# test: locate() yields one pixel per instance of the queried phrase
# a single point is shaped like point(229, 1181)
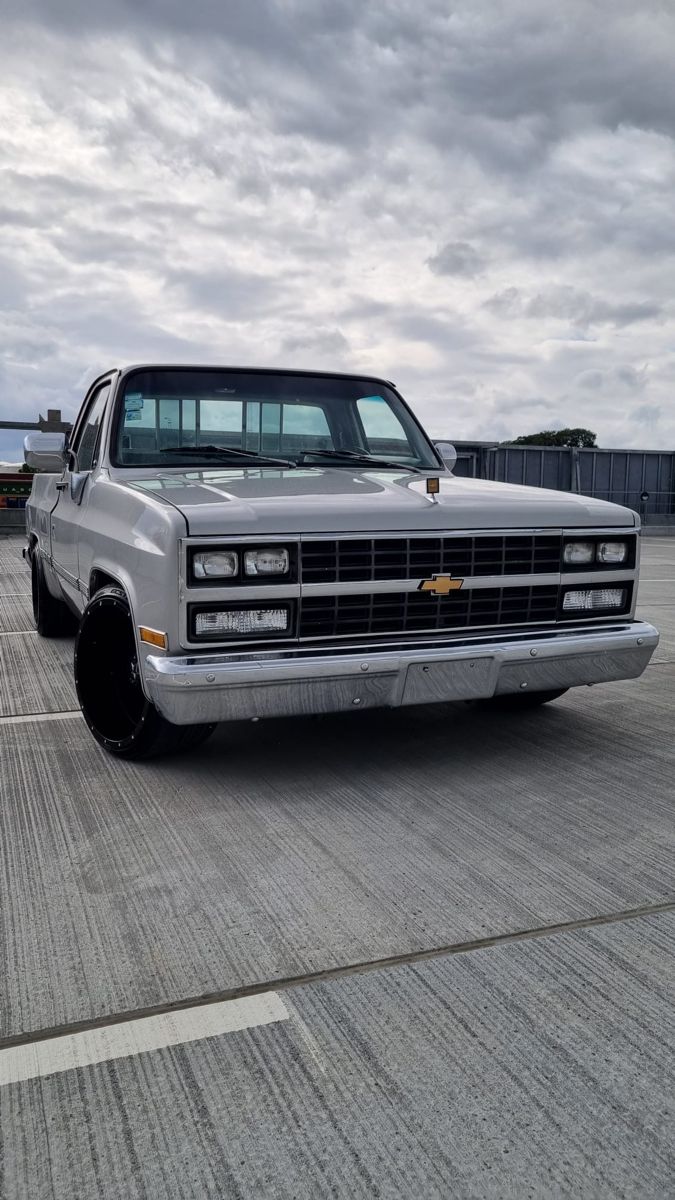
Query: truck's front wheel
point(109, 689)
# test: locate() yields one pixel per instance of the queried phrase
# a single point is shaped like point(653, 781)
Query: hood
point(255, 501)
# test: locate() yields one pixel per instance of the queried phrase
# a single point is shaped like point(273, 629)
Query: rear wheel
point(52, 617)
point(109, 689)
point(521, 701)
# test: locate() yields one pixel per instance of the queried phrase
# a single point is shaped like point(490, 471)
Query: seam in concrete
point(330, 973)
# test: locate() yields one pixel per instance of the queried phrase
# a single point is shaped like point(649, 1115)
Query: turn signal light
point(153, 637)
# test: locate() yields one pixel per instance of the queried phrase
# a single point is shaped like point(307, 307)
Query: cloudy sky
point(474, 199)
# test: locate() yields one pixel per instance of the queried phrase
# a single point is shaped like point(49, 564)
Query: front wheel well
point(100, 579)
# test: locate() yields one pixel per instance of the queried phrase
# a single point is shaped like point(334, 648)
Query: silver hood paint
point(256, 501)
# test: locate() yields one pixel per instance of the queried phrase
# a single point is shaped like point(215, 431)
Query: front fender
point(132, 538)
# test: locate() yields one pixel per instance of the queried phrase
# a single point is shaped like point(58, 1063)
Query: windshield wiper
point(229, 452)
point(356, 456)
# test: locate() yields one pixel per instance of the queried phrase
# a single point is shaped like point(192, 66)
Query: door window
point(87, 437)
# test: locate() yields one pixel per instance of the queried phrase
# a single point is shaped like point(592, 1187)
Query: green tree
point(557, 437)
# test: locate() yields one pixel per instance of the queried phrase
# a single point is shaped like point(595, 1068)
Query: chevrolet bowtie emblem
point(440, 585)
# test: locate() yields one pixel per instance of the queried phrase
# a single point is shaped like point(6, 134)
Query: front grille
point(403, 612)
point(352, 559)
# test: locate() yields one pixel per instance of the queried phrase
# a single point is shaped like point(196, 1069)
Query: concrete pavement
point(286, 849)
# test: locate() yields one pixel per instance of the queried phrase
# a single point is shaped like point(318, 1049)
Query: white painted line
point(17, 632)
point(125, 1040)
point(47, 716)
point(13, 595)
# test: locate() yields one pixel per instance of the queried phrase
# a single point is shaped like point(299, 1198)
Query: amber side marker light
point(153, 637)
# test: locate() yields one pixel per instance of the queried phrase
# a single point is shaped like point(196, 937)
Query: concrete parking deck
point(277, 862)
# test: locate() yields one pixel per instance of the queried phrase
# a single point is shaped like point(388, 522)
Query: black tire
point(107, 679)
point(52, 617)
point(521, 701)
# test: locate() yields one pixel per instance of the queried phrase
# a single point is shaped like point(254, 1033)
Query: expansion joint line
point(297, 981)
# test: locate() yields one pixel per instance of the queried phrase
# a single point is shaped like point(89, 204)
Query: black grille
point(351, 559)
point(401, 612)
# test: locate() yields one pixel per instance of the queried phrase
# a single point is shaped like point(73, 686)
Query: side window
point(87, 436)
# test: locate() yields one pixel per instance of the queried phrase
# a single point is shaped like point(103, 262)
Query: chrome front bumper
point(230, 687)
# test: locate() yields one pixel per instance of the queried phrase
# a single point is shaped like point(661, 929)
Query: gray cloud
point(320, 342)
point(456, 258)
point(570, 304)
point(320, 179)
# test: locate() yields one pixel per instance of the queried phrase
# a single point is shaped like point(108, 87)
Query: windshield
point(166, 415)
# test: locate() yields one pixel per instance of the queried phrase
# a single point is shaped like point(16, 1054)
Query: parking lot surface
point(422, 952)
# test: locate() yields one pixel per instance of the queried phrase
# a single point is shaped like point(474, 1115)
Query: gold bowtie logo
point(440, 585)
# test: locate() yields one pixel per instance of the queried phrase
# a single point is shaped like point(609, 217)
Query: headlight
point(591, 598)
point(612, 552)
point(579, 552)
point(215, 564)
point(231, 621)
point(266, 562)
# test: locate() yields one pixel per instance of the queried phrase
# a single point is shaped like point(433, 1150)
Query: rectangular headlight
point(579, 552)
point(592, 598)
point(215, 564)
point(231, 621)
point(612, 552)
point(271, 561)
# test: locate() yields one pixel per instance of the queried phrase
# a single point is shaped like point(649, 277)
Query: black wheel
point(109, 690)
point(52, 617)
point(520, 701)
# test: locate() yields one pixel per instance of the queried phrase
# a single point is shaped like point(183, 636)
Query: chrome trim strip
point(244, 591)
point(512, 530)
point(359, 587)
point(397, 534)
point(59, 570)
point(240, 539)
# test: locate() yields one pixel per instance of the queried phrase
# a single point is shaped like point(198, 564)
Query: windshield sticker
point(131, 416)
point(133, 402)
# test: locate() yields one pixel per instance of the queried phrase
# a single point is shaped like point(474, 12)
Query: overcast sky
point(473, 199)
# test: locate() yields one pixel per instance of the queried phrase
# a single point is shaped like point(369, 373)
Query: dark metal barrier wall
point(622, 476)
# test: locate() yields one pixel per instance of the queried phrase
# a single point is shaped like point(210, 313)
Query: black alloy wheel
point(107, 678)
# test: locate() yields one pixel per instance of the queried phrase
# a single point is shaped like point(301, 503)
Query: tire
point(107, 679)
point(52, 617)
point(521, 701)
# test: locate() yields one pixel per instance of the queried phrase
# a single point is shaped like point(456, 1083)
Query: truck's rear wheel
point(520, 701)
point(109, 690)
point(52, 617)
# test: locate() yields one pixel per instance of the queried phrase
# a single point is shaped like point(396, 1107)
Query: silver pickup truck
point(234, 543)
